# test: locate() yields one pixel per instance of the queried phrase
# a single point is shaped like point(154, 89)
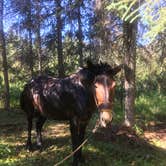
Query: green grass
point(122, 150)
point(150, 108)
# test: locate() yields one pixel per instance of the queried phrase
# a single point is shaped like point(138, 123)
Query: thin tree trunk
point(98, 26)
point(4, 59)
point(39, 52)
point(59, 38)
point(38, 35)
point(129, 30)
point(29, 24)
point(102, 33)
point(30, 52)
point(80, 33)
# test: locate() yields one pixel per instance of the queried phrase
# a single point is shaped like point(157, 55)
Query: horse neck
point(87, 84)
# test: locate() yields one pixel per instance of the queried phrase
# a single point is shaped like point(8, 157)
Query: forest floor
point(113, 146)
point(155, 135)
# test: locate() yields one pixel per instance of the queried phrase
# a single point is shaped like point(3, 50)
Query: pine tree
point(4, 58)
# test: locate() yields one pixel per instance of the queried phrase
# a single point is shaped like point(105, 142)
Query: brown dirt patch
point(156, 134)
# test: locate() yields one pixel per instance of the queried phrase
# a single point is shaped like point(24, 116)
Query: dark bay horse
point(73, 98)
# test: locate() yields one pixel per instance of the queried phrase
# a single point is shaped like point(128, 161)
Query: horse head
point(104, 86)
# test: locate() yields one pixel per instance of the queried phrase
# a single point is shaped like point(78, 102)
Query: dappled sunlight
point(157, 139)
point(156, 134)
point(115, 145)
point(126, 143)
point(151, 113)
point(93, 149)
point(57, 130)
point(56, 143)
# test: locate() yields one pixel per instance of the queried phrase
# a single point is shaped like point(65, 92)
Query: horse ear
point(117, 69)
point(89, 64)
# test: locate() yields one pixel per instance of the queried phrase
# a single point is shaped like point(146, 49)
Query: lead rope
point(71, 154)
point(106, 92)
point(122, 89)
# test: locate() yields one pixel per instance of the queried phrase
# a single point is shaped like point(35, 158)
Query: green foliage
point(15, 91)
point(138, 129)
point(124, 9)
point(155, 18)
point(149, 106)
point(5, 151)
point(152, 13)
point(150, 72)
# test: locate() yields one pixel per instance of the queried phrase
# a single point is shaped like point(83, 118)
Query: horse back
point(59, 99)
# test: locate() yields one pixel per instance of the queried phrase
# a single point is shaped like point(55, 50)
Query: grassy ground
point(106, 147)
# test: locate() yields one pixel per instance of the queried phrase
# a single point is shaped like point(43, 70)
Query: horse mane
point(87, 73)
point(100, 68)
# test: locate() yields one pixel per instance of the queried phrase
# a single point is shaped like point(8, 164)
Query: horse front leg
point(39, 124)
point(82, 129)
point(75, 141)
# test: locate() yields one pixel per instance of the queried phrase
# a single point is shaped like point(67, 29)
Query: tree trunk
point(29, 24)
point(129, 30)
point(102, 21)
point(98, 28)
point(30, 53)
point(38, 35)
point(59, 38)
point(80, 33)
point(4, 59)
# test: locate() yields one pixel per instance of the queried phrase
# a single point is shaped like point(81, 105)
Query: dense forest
point(56, 37)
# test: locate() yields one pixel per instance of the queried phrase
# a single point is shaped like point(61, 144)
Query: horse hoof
point(29, 148)
point(39, 147)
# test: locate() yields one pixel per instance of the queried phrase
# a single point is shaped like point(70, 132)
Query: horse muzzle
point(105, 115)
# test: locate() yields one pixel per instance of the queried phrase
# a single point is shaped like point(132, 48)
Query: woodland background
point(56, 37)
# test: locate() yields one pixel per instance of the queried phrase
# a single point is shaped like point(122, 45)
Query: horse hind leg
point(29, 143)
point(39, 124)
point(82, 129)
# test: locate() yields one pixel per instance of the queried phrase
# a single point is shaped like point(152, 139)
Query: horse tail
point(26, 100)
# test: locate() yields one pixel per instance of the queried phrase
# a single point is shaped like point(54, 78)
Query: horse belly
point(56, 113)
point(56, 110)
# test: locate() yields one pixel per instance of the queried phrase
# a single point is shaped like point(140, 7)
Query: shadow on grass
point(124, 147)
point(114, 146)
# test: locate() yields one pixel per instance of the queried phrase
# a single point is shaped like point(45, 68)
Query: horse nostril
point(107, 122)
